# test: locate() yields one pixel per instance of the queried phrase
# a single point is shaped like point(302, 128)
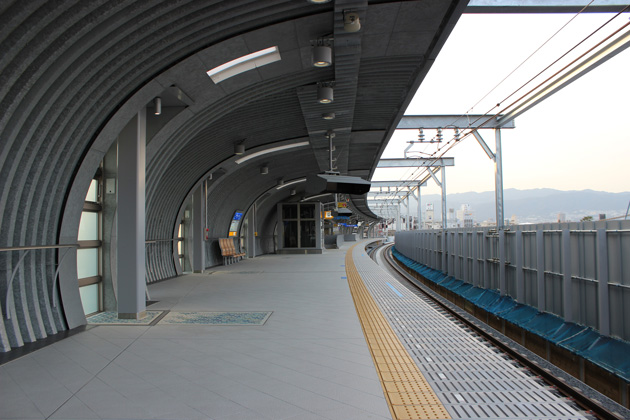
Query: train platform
point(329, 336)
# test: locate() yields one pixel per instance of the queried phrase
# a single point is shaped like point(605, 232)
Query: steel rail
point(590, 405)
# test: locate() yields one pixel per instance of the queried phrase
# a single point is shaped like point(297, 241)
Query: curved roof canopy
point(74, 73)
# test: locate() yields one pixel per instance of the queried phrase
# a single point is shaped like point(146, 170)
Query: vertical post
point(465, 275)
point(435, 250)
point(408, 224)
point(444, 266)
point(417, 246)
point(502, 282)
point(131, 219)
point(419, 200)
point(198, 255)
point(603, 302)
point(485, 251)
point(443, 187)
point(520, 280)
point(251, 232)
point(498, 179)
point(455, 255)
point(540, 269)
point(444, 225)
point(475, 259)
point(398, 221)
point(330, 152)
point(567, 301)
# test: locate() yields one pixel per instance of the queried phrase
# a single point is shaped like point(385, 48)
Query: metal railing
point(25, 251)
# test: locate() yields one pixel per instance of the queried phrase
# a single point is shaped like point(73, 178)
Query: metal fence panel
point(535, 261)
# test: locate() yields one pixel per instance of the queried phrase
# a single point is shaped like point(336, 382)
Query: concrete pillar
point(131, 223)
point(197, 230)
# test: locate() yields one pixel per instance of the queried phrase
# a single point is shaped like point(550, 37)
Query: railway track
point(587, 399)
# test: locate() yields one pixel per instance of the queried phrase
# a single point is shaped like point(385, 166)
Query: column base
point(139, 315)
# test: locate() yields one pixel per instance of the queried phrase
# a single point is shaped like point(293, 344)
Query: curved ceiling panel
point(74, 72)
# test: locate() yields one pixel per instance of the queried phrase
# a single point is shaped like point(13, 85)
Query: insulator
point(439, 135)
point(457, 134)
point(420, 134)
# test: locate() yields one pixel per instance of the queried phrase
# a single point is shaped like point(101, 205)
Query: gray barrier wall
point(579, 271)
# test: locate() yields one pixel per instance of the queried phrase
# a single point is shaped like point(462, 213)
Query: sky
point(576, 139)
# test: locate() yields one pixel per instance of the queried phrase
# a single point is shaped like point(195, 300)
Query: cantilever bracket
point(484, 146)
point(439, 184)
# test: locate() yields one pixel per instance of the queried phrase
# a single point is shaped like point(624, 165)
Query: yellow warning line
point(408, 393)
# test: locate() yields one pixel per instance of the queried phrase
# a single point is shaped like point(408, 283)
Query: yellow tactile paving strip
point(408, 393)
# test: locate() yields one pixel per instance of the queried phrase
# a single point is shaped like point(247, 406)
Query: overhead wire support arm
point(432, 175)
point(484, 145)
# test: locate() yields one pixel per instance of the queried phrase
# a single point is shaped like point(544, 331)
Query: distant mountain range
point(538, 205)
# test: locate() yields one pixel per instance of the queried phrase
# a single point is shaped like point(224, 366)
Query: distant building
point(602, 216)
point(429, 216)
point(562, 217)
point(465, 216)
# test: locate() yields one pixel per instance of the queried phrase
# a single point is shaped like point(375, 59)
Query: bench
point(228, 251)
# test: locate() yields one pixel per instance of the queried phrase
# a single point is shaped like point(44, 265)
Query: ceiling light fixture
point(322, 56)
point(312, 197)
point(158, 106)
point(244, 63)
point(239, 149)
point(286, 184)
point(271, 150)
point(325, 94)
point(351, 22)
point(293, 192)
point(264, 170)
point(328, 115)
point(318, 1)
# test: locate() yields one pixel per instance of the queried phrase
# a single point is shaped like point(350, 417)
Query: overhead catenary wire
point(530, 56)
point(441, 150)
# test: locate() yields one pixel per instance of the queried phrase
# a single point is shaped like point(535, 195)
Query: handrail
point(152, 241)
point(31, 247)
point(26, 250)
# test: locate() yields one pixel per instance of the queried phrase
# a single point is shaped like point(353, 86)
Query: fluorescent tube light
point(295, 181)
point(244, 63)
point(271, 150)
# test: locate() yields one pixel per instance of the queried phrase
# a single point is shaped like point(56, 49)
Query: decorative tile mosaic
point(215, 318)
point(105, 318)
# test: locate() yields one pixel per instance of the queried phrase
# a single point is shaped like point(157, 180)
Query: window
point(89, 252)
